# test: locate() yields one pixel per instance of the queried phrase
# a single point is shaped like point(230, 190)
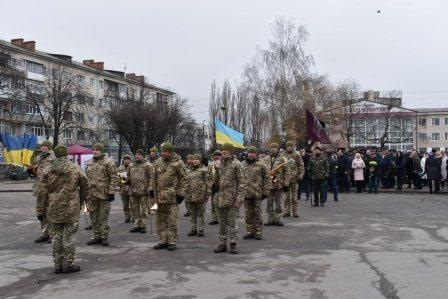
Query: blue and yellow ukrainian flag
point(18, 149)
point(224, 134)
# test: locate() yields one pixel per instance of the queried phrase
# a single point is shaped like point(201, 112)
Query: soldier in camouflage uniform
point(168, 184)
point(103, 178)
point(42, 161)
point(212, 167)
point(63, 189)
point(319, 173)
point(153, 154)
point(139, 177)
point(257, 189)
point(189, 167)
point(198, 191)
point(124, 188)
point(297, 169)
point(278, 184)
point(229, 179)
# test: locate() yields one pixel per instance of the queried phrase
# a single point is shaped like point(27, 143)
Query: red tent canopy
point(79, 150)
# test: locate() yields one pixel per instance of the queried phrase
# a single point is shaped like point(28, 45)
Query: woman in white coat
point(358, 166)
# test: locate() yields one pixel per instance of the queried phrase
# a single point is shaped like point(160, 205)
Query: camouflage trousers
point(126, 199)
point(291, 199)
point(228, 228)
point(99, 210)
point(254, 216)
point(40, 211)
point(167, 219)
point(140, 210)
point(275, 196)
point(197, 214)
point(63, 242)
point(214, 202)
point(188, 206)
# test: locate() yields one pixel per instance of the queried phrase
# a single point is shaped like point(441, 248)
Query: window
point(112, 135)
point(446, 136)
point(91, 119)
point(101, 84)
point(33, 129)
point(4, 128)
point(81, 79)
point(92, 82)
point(80, 135)
point(67, 134)
point(161, 98)
point(31, 109)
point(80, 117)
point(35, 67)
point(446, 121)
point(435, 121)
point(422, 122)
point(435, 136)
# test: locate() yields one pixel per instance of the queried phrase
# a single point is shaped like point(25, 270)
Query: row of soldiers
point(62, 188)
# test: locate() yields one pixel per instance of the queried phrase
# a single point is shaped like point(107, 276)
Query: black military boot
point(134, 229)
point(127, 220)
point(42, 239)
point(200, 233)
point(161, 246)
point(232, 249)
point(258, 237)
point(171, 247)
point(71, 269)
point(221, 248)
point(143, 230)
point(249, 236)
point(104, 242)
point(279, 223)
point(213, 222)
point(192, 233)
point(57, 269)
point(94, 241)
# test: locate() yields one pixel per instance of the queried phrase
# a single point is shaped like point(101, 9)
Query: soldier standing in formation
point(124, 188)
point(213, 167)
point(257, 189)
point(198, 191)
point(63, 189)
point(229, 179)
point(189, 167)
point(297, 169)
point(43, 160)
point(279, 183)
point(103, 178)
point(153, 152)
point(139, 176)
point(319, 173)
point(169, 183)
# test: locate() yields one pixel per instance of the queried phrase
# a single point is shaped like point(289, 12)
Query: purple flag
point(315, 128)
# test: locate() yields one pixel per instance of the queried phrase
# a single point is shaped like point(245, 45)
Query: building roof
point(432, 110)
point(62, 58)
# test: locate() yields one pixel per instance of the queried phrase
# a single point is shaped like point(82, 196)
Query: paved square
point(364, 246)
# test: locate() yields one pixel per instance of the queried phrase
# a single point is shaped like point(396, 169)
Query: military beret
point(227, 147)
point(216, 153)
point(252, 149)
point(197, 157)
point(154, 150)
point(99, 147)
point(167, 147)
point(290, 143)
point(60, 151)
point(140, 151)
point(126, 157)
point(48, 144)
point(274, 144)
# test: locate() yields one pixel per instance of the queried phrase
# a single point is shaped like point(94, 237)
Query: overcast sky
point(185, 44)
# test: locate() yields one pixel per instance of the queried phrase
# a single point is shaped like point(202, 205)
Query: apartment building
point(432, 130)
point(102, 87)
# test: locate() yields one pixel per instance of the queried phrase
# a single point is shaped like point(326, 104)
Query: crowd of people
point(160, 180)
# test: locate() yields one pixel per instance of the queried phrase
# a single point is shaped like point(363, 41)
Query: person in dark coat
point(399, 170)
point(305, 184)
point(433, 169)
point(344, 166)
point(408, 168)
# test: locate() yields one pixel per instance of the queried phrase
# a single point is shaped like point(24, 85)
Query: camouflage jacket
point(169, 179)
point(284, 176)
point(103, 177)
point(319, 167)
point(42, 161)
point(296, 166)
point(124, 189)
point(139, 177)
point(64, 186)
point(256, 178)
point(198, 188)
point(230, 179)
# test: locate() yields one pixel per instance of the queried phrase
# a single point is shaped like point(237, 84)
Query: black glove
point(151, 193)
point(111, 197)
point(179, 199)
point(285, 189)
point(215, 189)
point(40, 217)
point(263, 197)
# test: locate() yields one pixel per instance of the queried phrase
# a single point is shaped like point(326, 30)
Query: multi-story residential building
point(432, 130)
point(102, 87)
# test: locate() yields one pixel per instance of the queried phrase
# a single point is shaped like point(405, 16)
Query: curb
point(15, 191)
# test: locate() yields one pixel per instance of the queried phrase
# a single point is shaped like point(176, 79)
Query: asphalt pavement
point(364, 246)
